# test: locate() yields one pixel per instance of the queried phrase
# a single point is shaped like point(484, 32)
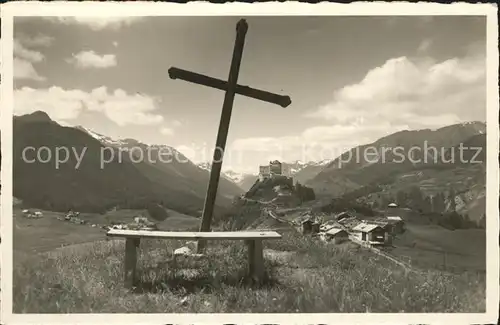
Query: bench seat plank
point(216, 235)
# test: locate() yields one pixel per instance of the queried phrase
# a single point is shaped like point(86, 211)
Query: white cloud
point(314, 143)
point(90, 59)
point(97, 23)
point(166, 131)
point(414, 92)
point(34, 41)
point(22, 52)
point(401, 94)
point(24, 58)
point(60, 104)
point(65, 105)
point(24, 70)
point(170, 130)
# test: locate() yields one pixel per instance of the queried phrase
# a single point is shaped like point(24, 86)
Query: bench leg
point(201, 246)
point(255, 260)
point(131, 245)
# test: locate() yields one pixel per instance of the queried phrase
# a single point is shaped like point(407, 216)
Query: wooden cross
point(231, 88)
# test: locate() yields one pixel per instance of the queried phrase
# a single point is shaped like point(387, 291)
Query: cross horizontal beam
point(200, 79)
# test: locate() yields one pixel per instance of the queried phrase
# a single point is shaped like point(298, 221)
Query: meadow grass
point(303, 275)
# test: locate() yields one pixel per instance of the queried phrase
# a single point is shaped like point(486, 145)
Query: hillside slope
point(90, 186)
point(352, 170)
point(172, 163)
point(460, 185)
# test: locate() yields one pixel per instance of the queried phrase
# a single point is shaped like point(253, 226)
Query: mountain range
point(177, 164)
point(432, 173)
point(353, 169)
point(126, 182)
point(180, 184)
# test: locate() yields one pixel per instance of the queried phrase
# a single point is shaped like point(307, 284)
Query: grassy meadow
point(303, 275)
point(434, 247)
point(49, 233)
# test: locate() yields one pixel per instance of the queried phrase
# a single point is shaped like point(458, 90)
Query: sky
point(351, 79)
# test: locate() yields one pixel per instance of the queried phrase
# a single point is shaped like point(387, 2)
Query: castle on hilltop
point(275, 168)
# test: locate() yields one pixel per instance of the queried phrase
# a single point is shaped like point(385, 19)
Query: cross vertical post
point(220, 143)
point(232, 88)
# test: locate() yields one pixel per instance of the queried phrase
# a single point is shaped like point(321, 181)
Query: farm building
point(336, 235)
point(343, 215)
point(349, 223)
point(32, 215)
point(370, 233)
point(315, 227)
point(397, 224)
point(329, 225)
point(388, 229)
point(310, 227)
point(307, 226)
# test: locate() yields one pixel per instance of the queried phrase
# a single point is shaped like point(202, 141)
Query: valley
point(439, 205)
point(33, 236)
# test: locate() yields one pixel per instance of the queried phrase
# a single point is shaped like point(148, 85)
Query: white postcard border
point(95, 9)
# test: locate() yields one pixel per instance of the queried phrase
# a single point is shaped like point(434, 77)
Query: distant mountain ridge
point(178, 160)
point(379, 181)
point(304, 171)
point(351, 170)
point(175, 162)
point(230, 175)
point(179, 186)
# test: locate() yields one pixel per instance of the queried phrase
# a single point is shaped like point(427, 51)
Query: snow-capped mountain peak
point(235, 177)
point(105, 140)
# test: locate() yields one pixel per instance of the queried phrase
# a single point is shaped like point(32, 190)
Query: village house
point(349, 223)
point(369, 233)
point(343, 215)
point(386, 226)
point(316, 227)
point(307, 226)
point(328, 225)
point(397, 224)
point(336, 235)
point(310, 226)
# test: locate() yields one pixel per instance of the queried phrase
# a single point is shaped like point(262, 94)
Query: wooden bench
point(253, 240)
